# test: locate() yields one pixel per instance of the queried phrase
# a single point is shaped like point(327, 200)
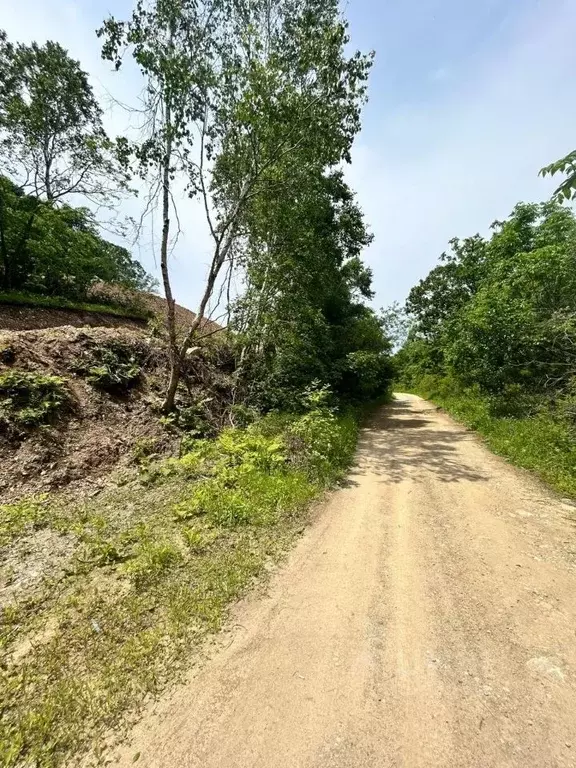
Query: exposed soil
point(98, 431)
point(14, 318)
point(427, 619)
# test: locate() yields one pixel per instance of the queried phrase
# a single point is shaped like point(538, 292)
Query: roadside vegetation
point(492, 338)
point(146, 569)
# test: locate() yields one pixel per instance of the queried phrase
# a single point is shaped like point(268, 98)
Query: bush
point(513, 402)
point(322, 443)
point(29, 399)
point(366, 375)
point(195, 419)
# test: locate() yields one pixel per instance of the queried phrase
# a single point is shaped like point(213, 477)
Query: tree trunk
point(174, 354)
point(19, 250)
point(47, 169)
point(6, 277)
point(220, 254)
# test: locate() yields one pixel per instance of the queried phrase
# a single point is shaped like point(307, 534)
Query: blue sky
point(467, 101)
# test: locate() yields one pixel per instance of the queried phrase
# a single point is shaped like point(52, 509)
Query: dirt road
point(426, 619)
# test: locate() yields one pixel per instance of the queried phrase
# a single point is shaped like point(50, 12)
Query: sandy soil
point(426, 619)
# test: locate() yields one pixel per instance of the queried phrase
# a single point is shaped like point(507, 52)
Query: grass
point(542, 443)
point(59, 302)
point(157, 560)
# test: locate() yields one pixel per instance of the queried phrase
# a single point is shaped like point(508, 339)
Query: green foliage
point(501, 312)
point(366, 375)
point(272, 97)
point(302, 317)
point(15, 518)
point(57, 251)
point(566, 165)
point(246, 497)
point(151, 559)
point(113, 367)
point(51, 133)
point(322, 443)
point(28, 399)
point(144, 448)
point(269, 469)
point(493, 339)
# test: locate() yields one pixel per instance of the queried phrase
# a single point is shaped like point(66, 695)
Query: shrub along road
point(426, 619)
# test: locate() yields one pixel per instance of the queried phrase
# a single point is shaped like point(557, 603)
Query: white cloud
point(436, 171)
point(439, 75)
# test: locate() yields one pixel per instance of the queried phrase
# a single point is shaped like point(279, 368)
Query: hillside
point(105, 305)
point(112, 384)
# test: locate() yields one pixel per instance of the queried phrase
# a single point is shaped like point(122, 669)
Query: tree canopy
point(499, 313)
point(52, 139)
point(58, 250)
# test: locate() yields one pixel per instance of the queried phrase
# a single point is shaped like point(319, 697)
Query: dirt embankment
point(13, 318)
point(98, 430)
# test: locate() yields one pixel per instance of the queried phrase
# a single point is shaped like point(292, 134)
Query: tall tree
point(172, 42)
point(52, 140)
point(260, 85)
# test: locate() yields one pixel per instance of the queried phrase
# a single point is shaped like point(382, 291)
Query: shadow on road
point(401, 442)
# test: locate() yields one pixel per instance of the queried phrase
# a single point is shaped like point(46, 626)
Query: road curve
point(427, 619)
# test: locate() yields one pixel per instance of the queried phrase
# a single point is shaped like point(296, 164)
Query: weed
point(113, 367)
point(194, 419)
point(15, 518)
point(253, 498)
point(151, 559)
point(28, 399)
point(198, 540)
point(144, 449)
point(323, 443)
